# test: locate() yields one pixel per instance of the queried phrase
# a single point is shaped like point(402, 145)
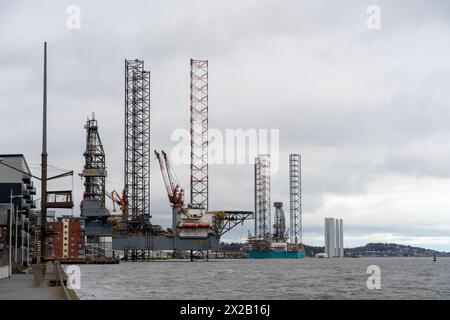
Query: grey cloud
point(357, 104)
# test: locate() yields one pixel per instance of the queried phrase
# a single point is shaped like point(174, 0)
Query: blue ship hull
point(275, 254)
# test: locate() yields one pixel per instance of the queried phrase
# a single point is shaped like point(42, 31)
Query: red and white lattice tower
point(199, 133)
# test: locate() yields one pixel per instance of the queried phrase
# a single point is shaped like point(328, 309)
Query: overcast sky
point(367, 109)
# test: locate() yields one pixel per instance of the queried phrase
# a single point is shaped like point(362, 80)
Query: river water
point(310, 278)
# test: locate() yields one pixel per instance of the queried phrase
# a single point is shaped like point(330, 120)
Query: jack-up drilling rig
point(265, 245)
point(194, 227)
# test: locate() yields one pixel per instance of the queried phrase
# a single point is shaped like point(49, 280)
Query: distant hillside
point(369, 250)
point(393, 250)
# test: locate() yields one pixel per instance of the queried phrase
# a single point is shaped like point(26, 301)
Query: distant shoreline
point(369, 250)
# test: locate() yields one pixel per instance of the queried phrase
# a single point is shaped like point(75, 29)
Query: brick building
point(66, 238)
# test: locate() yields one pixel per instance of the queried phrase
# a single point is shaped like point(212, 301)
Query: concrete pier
point(47, 282)
point(23, 287)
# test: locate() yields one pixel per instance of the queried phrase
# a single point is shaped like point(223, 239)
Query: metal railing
point(61, 277)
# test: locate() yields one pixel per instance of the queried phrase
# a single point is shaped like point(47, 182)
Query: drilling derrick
point(94, 173)
point(137, 142)
point(262, 197)
point(295, 186)
point(93, 204)
point(279, 226)
point(199, 134)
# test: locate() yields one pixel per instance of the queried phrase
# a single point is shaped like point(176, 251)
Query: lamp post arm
point(66, 174)
point(62, 175)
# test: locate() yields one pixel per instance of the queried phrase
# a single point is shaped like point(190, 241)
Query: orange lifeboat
point(195, 225)
point(189, 225)
point(203, 224)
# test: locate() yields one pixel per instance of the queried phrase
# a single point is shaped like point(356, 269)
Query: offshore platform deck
point(188, 238)
point(151, 242)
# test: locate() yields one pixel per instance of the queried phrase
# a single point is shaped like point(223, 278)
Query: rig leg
point(192, 255)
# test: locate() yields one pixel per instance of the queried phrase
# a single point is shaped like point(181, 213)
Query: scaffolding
point(199, 133)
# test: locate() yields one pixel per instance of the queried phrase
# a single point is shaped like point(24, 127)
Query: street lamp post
point(16, 224)
point(21, 239)
point(28, 241)
point(44, 156)
point(10, 235)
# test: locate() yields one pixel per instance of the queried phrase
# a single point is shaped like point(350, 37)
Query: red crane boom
point(174, 191)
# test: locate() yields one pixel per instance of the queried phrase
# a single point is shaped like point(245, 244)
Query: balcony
point(31, 189)
point(26, 180)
